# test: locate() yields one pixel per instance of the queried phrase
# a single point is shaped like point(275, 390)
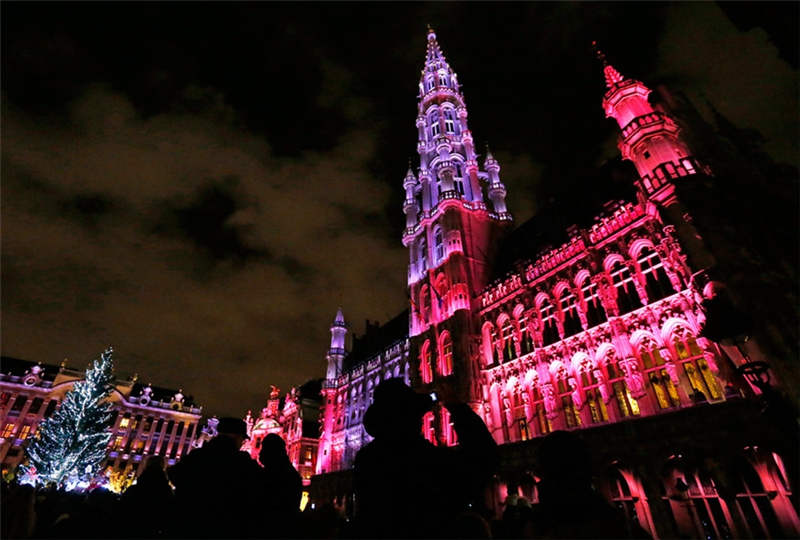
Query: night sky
point(200, 185)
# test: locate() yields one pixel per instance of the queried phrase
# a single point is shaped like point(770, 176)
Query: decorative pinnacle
point(612, 75)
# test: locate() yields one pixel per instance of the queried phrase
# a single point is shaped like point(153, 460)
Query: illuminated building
point(297, 422)
point(148, 420)
point(632, 330)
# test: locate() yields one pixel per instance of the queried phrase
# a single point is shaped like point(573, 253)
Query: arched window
point(449, 121)
point(428, 430)
point(695, 492)
point(433, 120)
point(523, 432)
point(539, 413)
point(526, 341)
point(458, 178)
point(657, 283)
point(442, 78)
point(627, 297)
point(438, 245)
point(425, 368)
point(425, 305)
point(616, 380)
point(572, 322)
point(550, 329)
point(449, 430)
point(690, 357)
point(594, 398)
point(506, 334)
point(570, 412)
point(663, 390)
point(445, 355)
point(620, 494)
point(423, 255)
point(757, 505)
point(429, 83)
point(595, 314)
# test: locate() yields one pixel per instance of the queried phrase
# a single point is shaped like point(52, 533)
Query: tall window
point(595, 314)
point(539, 412)
point(423, 255)
point(572, 322)
point(506, 333)
point(526, 342)
point(520, 420)
point(449, 430)
point(442, 79)
point(449, 121)
point(428, 430)
point(620, 494)
point(426, 370)
point(627, 297)
point(550, 329)
point(622, 394)
point(694, 364)
point(657, 283)
point(438, 245)
point(756, 504)
point(429, 83)
point(571, 415)
point(434, 121)
point(458, 178)
point(706, 506)
point(660, 383)
point(594, 398)
point(446, 355)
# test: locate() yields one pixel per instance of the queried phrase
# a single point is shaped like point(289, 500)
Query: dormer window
point(449, 121)
point(429, 83)
point(442, 79)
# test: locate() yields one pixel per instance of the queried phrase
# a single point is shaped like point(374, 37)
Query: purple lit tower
point(455, 216)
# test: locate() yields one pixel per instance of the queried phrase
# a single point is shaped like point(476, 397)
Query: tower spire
point(336, 353)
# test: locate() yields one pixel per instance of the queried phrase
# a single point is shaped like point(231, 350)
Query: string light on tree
point(72, 443)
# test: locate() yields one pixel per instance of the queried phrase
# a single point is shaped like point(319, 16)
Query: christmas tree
point(73, 441)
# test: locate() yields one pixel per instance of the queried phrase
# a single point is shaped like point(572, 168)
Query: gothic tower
point(335, 358)
point(452, 231)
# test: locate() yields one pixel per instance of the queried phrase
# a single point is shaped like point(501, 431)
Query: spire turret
point(337, 353)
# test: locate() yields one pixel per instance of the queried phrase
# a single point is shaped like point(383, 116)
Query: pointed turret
point(649, 137)
point(411, 206)
point(336, 353)
point(497, 191)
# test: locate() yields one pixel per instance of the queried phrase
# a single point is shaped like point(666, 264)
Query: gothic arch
point(558, 290)
point(581, 276)
point(669, 328)
point(611, 259)
point(578, 359)
point(638, 245)
point(518, 310)
point(542, 297)
point(487, 344)
point(638, 335)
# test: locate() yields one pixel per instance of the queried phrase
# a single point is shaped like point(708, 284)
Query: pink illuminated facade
point(603, 334)
point(297, 422)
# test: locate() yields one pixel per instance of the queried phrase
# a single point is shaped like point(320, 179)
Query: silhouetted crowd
point(404, 487)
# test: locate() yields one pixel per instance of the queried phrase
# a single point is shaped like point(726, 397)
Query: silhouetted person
point(568, 506)
point(405, 487)
point(18, 512)
point(148, 503)
point(216, 486)
point(281, 490)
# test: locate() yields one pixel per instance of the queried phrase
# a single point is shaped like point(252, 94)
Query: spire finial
point(600, 55)
point(430, 30)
